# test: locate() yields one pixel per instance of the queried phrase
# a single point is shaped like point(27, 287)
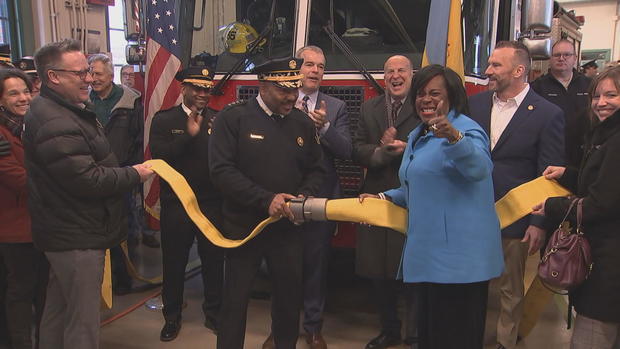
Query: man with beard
point(264, 152)
point(565, 87)
point(384, 124)
point(180, 136)
point(527, 135)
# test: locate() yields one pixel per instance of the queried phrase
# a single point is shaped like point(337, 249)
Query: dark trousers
point(316, 238)
point(282, 249)
point(26, 277)
point(177, 237)
point(386, 295)
point(452, 316)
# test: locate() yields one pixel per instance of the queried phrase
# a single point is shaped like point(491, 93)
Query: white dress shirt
point(502, 112)
point(312, 99)
point(188, 111)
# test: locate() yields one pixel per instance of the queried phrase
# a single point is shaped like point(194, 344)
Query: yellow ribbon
point(515, 205)
point(106, 284)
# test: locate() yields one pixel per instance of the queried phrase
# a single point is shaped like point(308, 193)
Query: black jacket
point(253, 157)
point(188, 155)
point(597, 182)
point(76, 189)
point(574, 102)
point(125, 129)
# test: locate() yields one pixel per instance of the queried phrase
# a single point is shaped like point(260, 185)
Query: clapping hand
point(193, 122)
point(441, 127)
point(319, 116)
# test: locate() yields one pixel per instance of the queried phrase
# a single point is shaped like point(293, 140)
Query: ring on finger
point(434, 127)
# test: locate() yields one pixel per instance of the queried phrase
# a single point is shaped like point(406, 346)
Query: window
point(374, 30)
point(252, 17)
point(116, 35)
point(4, 23)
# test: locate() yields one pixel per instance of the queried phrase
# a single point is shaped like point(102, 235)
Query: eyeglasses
point(563, 54)
point(80, 73)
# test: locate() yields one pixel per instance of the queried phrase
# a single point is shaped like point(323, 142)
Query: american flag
point(162, 91)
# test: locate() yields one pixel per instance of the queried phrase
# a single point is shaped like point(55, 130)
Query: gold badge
point(205, 72)
point(300, 141)
point(255, 136)
point(23, 65)
point(292, 64)
point(209, 131)
point(530, 107)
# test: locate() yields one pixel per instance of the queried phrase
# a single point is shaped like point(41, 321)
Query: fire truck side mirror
point(537, 16)
point(540, 48)
point(135, 51)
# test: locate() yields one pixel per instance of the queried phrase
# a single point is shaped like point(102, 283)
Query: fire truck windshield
point(373, 30)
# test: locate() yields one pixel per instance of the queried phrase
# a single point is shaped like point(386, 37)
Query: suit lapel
point(405, 113)
point(485, 120)
point(521, 115)
point(380, 114)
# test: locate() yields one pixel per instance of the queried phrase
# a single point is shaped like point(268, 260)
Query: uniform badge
point(205, 72)
point(177, 132)
point(530, 107)
point(292, 64)
point(300, 141)
point(255, 136)
point(209, 131)
point(23, 65)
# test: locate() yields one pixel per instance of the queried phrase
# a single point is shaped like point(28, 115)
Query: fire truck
point(357, 37)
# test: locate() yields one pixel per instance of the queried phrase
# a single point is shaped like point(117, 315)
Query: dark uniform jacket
point(574, 102)
point(253, 157)
point(76, 189)
point(379, 249)
point(597, 182)
point(188, 155)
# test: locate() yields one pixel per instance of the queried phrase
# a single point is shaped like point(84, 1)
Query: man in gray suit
point(385, 122)
point(332, 124)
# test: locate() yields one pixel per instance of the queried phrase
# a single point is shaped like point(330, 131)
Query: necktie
point(395, 107)
point(304, 103)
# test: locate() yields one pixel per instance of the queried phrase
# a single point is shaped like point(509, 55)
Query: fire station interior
point(357, 37)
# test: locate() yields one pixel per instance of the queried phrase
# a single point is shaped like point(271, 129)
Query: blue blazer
point(336, 143)
point(533, 140)
point(453, 233)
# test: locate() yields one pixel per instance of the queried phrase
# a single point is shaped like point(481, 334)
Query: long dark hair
point(457, 97)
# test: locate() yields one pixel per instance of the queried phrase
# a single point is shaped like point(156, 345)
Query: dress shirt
point(188, 111)
point(265, 108)
point(502, 112)
point(312, 99)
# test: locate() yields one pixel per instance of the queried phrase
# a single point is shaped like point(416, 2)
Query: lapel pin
point(530, 107)
point(300, 141)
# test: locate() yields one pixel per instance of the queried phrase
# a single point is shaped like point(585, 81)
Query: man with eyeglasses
point(565, 87)
point(76, 192)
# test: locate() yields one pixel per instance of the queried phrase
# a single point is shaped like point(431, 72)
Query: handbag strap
point(579, 215)
point(572, 203)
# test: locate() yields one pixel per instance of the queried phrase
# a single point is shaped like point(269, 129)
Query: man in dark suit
point(527, 135)
point(332, 125)
point(385, 122)
point(180, 136)
point(264, 152)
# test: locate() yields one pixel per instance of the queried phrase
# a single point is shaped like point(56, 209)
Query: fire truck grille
point(349, 173)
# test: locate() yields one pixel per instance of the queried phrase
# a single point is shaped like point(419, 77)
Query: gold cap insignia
point(300, 141)
point(530, 107)
point(292, 64)
point(22, 65)
point(205, 72)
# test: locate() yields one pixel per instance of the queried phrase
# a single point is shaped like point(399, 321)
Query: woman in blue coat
point(453, 245)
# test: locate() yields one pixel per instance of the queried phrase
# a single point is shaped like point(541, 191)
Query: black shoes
point(211, 324)
point(383, 341)
point(171, 330)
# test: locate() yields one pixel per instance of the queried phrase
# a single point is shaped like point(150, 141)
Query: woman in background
point(25, 265)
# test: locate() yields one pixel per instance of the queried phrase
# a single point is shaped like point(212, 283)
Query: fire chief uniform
point(253, 155)
point(189, 156)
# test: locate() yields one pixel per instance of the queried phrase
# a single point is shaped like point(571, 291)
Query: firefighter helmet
point(238, 37)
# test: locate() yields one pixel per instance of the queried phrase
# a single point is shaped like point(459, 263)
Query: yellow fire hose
point(516, 204)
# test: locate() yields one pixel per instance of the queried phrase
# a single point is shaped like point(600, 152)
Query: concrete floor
point(350, 321)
